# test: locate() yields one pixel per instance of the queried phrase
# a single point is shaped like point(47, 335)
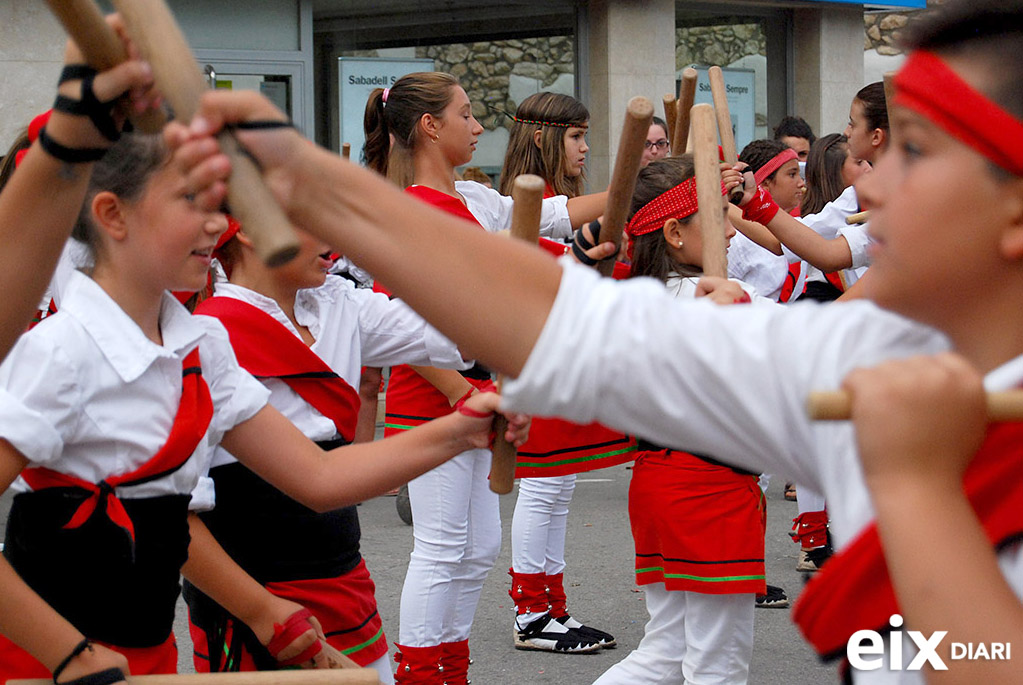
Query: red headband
point(34, 128)
point(927, 85)
point(774, 164)
point(676, 202)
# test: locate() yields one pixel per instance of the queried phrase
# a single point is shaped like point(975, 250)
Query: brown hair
point(7, 166)
point(411, 96)
point(824, 172)
point(650, 256)
point(551, 114)
point(124, 171)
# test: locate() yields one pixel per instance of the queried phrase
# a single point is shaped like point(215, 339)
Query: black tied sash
point(647, 446)
point(88, 574)
point(275, 538)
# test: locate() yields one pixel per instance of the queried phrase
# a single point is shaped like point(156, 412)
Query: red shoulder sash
point(266, 349)
point(854, 591)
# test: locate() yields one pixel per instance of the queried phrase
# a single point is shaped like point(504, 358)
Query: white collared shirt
point(494, 210)
point(88, 394)
point(731, 382)
point(352, 327)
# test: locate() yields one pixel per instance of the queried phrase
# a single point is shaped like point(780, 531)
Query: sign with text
point(741, 88)
point(357, 77)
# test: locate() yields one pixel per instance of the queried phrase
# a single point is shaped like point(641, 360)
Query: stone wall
point(721, 45)
point(882, 30)
point(497, 75)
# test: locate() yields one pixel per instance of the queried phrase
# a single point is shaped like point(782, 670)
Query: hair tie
point(34, 128)
point(383, 96)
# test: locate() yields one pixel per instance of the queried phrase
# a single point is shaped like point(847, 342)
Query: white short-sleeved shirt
point(494, 210)
point(727, 381)
point(90, 395)
point(352, 326)
point(750, 263)
point(830, 223)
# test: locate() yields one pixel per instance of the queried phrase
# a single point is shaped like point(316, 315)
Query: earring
point(435, 138)
point(680, 243)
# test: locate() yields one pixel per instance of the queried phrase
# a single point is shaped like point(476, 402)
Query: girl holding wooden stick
point(754, 367)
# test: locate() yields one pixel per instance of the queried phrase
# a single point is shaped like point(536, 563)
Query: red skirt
point(697, 526)
point(16, 663)
point(345, 607)
point(559, 448)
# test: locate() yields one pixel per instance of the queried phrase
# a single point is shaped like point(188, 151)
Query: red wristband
point(761, 208)
point(469, 411)
point(284, 635)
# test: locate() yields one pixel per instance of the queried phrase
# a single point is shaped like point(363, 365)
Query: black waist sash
point(647, 446)
point(275, 538)
point(90, 574)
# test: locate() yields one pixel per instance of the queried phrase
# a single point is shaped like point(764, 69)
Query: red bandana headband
point(677, 202)
point(33, 134)
point(774, 164)
point(927, 85)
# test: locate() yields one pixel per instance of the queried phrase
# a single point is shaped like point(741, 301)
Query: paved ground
point(599, 581)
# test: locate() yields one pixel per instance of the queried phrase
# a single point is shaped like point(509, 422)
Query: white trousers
point(539, 524)
point(457, 532)
point(691, 637)
point(383, 668)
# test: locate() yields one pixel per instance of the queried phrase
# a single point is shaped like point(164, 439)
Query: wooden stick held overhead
point(346, 150)
point(348, 676)
point(836, 405)
point(84, 22)
point(670, 115)
point(178, 77)
point(708, 191)
point(720, 95)
point(686, 96)
point(638, 115)
point(527, 193)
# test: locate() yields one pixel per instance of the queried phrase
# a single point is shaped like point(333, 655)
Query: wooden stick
point(670, 115)
point(346, 150)
point(708, 191)
point(178, 77)
point(858, 217)
point(836, 405)
point(102, 50)
point(346, 676)
point(686, 95)
point(889, 91)
point(638, 115)
point(720, 95)
point(527, 193)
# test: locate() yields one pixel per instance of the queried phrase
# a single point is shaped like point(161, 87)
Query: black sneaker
point(775, 598)
point(607, 640)
point(545, 634)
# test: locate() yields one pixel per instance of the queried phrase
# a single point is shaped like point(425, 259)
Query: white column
point(828, 48)
point(631, 52)
point(31, 55)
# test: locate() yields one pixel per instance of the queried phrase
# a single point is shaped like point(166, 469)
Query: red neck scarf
point(190, 423)
point(266, 349)
point(451, 205)
point(854, 591)
point(927, 85)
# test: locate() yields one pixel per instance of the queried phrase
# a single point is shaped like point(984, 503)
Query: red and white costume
point(93, 399)
point(749, 367)
point(456, 520)
point(312, 559)
point(698, 527)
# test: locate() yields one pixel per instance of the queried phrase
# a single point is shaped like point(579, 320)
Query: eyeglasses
point(661, 144)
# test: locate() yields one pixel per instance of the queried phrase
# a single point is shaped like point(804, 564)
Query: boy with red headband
point(948, 265)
